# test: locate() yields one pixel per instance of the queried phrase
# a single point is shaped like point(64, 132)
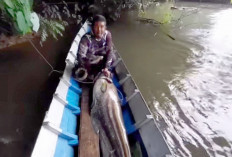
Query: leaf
point(59, 26)
point(50, 27)
point(35, 21)
point(18, 5)
point(11, 12)
point(9, 3)
point(21, 23)
point(27, 15)
point(31, 3)
point(21, 1)
point(44, 36)
point(28, 4)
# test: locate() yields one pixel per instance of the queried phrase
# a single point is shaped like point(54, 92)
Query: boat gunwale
point(71, 61)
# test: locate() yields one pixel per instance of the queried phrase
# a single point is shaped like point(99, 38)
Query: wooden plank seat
point(88, 139)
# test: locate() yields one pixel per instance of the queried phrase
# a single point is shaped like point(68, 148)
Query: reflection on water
point(187, 82)
point(204, 98)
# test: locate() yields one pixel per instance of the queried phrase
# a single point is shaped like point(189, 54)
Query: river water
point(186, 79)
point(26, 91)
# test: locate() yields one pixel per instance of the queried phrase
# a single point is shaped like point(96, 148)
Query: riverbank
point(8, 41)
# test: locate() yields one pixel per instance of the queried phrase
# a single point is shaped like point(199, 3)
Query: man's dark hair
point(98, 18)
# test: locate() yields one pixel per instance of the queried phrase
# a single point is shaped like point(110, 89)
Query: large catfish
point(107, 119)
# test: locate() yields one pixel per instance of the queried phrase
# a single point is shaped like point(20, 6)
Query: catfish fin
point(112, 153)
point(104, 87)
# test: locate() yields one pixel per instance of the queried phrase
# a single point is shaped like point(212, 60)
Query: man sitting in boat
point(95, 53)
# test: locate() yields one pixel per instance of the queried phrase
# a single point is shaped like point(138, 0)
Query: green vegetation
point(51, 27)
point(19, 12)
point(54, 19)
point(159, 12)
point(19, 16)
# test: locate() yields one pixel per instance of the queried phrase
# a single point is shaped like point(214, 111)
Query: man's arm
point(109, 51)
point(82, 51)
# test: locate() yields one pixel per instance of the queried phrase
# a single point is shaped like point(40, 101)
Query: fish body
point(107, 120)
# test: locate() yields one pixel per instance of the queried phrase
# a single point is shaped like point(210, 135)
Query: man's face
point(99, 29)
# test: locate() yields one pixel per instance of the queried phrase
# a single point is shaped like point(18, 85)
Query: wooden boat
point(58, 134)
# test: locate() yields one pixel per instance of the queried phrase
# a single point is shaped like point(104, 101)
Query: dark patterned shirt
point(91, 49)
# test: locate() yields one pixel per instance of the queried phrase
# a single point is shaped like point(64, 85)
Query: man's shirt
point(90, 49)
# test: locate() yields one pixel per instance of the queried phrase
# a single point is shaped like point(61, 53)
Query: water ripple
point(198, 116)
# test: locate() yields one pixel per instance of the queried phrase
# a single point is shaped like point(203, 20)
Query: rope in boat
point(61, 72)
point(92, 82)
point(53, 70)
point(121, 99)
point(84, 82)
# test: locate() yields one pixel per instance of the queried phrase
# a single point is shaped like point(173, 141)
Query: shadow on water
point(26, 91)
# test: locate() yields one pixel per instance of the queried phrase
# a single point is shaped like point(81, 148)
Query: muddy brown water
point(187, 82)
point(26, 91)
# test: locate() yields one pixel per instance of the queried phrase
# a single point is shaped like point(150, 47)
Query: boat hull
point(57, 136)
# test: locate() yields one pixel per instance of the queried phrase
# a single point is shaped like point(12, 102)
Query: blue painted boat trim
point(68, 138)
point(75, 86)
point(63, 149)
point(132, 131)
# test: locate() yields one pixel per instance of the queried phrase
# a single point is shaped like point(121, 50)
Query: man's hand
point(106, 72)
point(95, 59)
